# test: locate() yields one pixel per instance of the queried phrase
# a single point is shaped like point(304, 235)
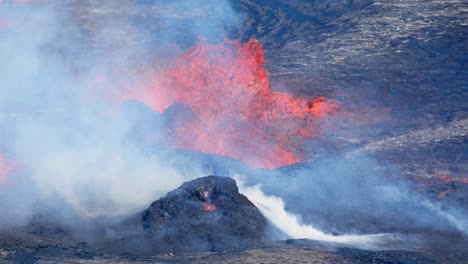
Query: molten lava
point(441, 195)
point(234, 110)
point(449, 179)
point(445, 182)
point(446, 178)
point(208, 207)
point(210, 201)
point(5, 169)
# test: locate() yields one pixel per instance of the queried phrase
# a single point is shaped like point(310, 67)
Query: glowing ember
point(235, 112)
point(441, 195)
point(4, 170)
point(208, 207)
point(445, 178)
point(448, 183)
point(449, 179)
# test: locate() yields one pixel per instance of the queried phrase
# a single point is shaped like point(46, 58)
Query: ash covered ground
point(393, 166)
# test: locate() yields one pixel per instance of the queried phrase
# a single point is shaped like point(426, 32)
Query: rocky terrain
point(404, 62)
point(283, 252)
point(400, 64)
point(409, 57)
point(204, 221)
point(206, 214)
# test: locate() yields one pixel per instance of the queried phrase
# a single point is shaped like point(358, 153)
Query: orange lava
point(236, 113)
point(449, 179)
point(445, 181)
point(445, 178)
point(208, 207)
point(441, 195)
point(5, 169)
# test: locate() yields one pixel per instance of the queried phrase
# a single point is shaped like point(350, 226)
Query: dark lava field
point(398, 69)
point(409, 56)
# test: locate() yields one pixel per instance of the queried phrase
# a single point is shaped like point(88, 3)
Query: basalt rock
point(205, 214)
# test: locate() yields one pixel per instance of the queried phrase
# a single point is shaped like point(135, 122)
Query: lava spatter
point(236, 112)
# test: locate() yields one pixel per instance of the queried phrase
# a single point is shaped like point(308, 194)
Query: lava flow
point(233, 110)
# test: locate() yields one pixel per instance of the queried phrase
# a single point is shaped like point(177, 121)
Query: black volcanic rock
point(205, 214)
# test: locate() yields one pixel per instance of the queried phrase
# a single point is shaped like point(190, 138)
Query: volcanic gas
point(5, 169)
point(234, 111)
point(5, 24)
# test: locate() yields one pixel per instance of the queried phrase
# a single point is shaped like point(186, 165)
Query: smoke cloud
point(273, 208)
point(347, 195)
point(72, 145)
point(69, 146)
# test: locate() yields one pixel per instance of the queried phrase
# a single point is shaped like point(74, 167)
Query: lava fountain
point(234, 111)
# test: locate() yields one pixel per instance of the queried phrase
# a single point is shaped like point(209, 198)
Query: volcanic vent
point(205, 214)
point(230, 108)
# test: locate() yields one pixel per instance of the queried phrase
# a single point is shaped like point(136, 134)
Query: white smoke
point(72, 145)
point(452, 216)
point(72, 149)
point(273, 208)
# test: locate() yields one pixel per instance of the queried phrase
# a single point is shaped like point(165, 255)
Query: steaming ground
point(273, 208)
point(73, 155)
